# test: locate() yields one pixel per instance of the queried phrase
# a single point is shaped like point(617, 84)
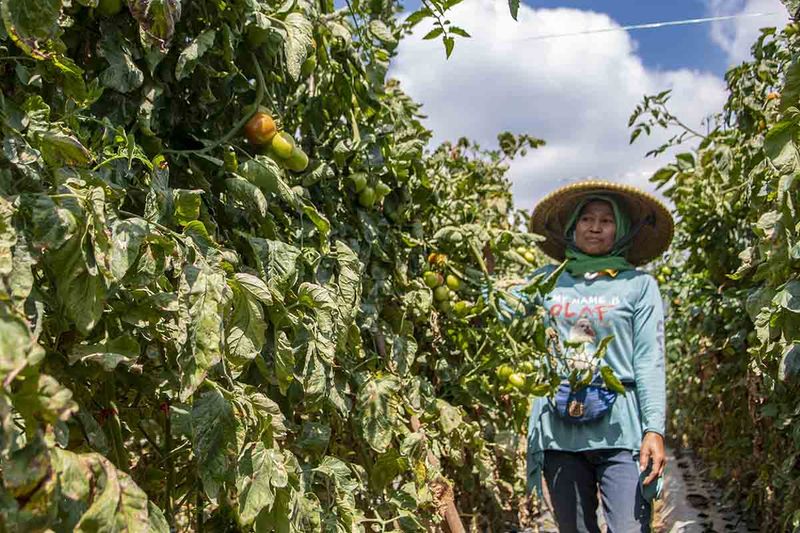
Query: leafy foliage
point(733, 287)
point(193, 336)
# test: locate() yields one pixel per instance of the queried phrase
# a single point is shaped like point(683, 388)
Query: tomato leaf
point(192, 54)
point(109, 353)
point(513, 7)
point(611, 381)
point(157, 19)
point(433, 34)
point(249, 196)
point(214, 428)
point(187, 205)
point(245, 326)
point(260, 471)
point(381, 31)
point(790, 362)
point(127, 237)
point(298, 40)
point(81, 293)
point(203, 294)
point(32, 24)
point(122, 74)
point(374, 404)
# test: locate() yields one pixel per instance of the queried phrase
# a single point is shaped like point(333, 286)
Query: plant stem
point(260, 84)
point(168, 509)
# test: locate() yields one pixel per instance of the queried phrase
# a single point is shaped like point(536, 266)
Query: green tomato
point(526, 366)
point(441, 294)
point(282, 145)
point(521, 250)
point(308, 66)
point(443, 306)
point(661, 279)
point(503, 371)
point(231, 162)
point(298, 161)
point(381, 189)
point(359, 181)
point(517, 380)
point(366, 198)
point(529, 257)
point(461, 308)
point(453, 282)
point(667, 271)
point(432, 279)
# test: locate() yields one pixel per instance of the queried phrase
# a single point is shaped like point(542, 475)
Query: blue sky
point(664, 48)
point(575, 92)
point(690, 46)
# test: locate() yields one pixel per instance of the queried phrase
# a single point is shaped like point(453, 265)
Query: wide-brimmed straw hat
point(651, 217)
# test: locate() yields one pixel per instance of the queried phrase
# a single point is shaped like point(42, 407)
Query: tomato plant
point(193, 338)
point(732, 281)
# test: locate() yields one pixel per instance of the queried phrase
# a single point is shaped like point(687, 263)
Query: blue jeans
point(573, 478)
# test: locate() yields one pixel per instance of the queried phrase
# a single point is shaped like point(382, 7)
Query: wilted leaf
point(779, 144)
point(193, 53)
point(259, 472)
point(157, 18)
point(32, 24)
point(126, 239)
point(376, 411)
point(789, 297)
point(108, 497)
point(248, 195)
point(45, 399)
point(17, 348)
point(122, 74)
point(202, 302)
point(790, 362)
point(81, 293)
point(245, 327)
point(109, 354)
point(214, 440)
point(381, 31)
point(63, 149)
point(284, 361)
point(299, 38)
point(449, 417)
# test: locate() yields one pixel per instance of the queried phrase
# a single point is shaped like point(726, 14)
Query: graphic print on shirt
point(581, 318)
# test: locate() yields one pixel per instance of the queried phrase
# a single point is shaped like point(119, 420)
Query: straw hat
point(552, 214)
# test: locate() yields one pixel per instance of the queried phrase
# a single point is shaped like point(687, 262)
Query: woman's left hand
point(652, 450)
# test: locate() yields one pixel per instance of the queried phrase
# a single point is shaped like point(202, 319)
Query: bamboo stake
point(440, 486)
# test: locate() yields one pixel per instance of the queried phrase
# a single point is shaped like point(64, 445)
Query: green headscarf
point(579, 263)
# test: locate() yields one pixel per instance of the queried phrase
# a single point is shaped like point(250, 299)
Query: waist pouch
point(587, 404)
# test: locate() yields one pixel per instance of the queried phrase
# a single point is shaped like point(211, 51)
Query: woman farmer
point(594, 438)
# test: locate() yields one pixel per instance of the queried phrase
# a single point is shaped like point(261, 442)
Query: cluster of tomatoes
point(445, 287)
point(663, 274)
point(261, 131)
point(368, 193)
point(526, 253)
point(510, 378)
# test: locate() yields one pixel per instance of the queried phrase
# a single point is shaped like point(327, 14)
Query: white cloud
point(737, 35)
point(575, 92)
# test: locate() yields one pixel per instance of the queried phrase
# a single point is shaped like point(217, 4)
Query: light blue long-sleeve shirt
point(630, 308)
